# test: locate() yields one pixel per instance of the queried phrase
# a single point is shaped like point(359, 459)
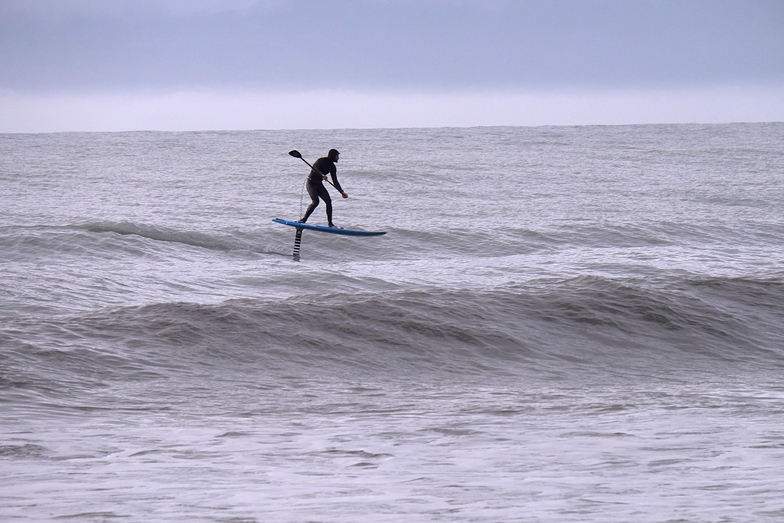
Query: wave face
point(560, 331)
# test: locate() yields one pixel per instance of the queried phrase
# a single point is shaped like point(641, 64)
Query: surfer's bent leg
point(316, 191)
point(314, 197)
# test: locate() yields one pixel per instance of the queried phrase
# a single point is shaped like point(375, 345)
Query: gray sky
point(245, 64)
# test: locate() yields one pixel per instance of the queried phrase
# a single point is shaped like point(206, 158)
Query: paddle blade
point(295, 154)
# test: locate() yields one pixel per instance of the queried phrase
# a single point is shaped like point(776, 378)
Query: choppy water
point(562, 324)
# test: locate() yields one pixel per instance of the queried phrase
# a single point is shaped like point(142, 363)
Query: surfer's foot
point(332, 225)
point(301, 220)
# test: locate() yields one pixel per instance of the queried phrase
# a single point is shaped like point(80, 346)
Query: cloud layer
point(422, 57)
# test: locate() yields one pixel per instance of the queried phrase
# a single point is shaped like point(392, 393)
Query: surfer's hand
point(324, 176)
point(344, 195)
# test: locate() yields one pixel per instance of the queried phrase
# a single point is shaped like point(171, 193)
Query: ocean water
point(561, 324)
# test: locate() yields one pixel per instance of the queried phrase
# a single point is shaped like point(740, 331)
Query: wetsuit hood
point(333, 154)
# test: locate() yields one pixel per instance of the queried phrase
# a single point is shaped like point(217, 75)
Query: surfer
point(315, 184)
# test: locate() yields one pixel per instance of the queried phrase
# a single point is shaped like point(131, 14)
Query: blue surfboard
point(333, 230)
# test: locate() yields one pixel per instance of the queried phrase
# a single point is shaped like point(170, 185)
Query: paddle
point(295, 153)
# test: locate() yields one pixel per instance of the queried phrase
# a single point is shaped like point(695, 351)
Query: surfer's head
point(333, 155)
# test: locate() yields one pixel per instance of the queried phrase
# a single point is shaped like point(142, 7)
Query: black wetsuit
point(316, 187)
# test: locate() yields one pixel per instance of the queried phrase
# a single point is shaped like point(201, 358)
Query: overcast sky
point(267, 64)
